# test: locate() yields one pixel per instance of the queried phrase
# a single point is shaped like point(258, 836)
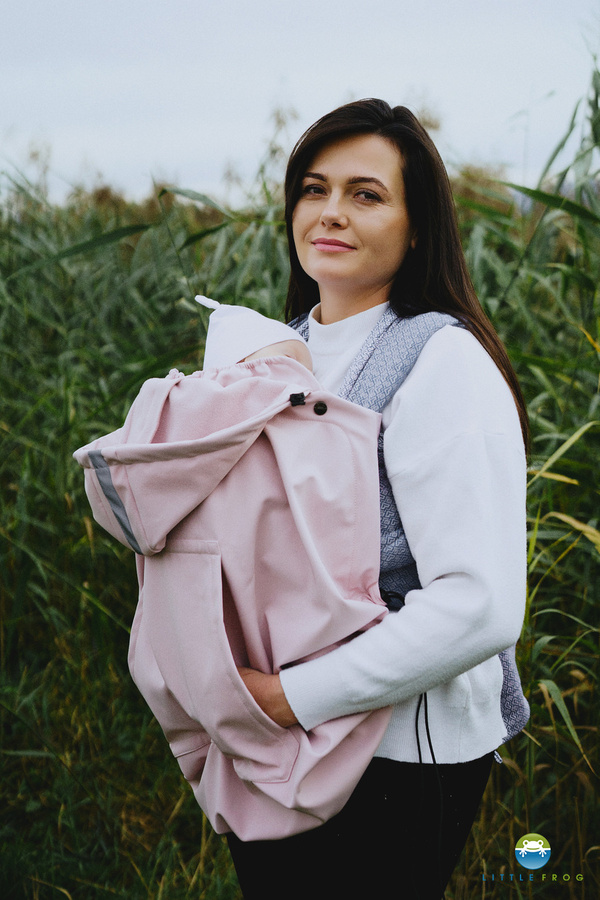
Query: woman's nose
point(333, 214)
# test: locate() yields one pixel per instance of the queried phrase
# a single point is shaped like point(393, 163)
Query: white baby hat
point(234, 332)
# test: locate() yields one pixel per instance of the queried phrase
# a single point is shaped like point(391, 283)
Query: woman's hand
point(268, 693)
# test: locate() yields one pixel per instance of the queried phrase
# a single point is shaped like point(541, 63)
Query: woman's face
point(351, 227)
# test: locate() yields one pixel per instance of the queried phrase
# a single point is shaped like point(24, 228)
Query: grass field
point(95, 297)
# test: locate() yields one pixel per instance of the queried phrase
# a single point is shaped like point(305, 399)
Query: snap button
point(320, 408)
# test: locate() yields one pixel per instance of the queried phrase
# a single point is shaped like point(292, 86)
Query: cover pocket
point(191, 762)
point(194, 655)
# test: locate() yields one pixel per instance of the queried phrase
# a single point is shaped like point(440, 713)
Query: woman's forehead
point(365, 159)
point(358, 156)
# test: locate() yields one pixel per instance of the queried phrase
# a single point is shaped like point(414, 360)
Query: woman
point(375, 259)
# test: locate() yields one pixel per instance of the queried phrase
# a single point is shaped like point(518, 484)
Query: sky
point(130, 93)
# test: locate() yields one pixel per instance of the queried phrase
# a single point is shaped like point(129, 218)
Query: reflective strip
point(110, 492)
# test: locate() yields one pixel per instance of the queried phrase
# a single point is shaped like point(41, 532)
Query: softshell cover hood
point(251, 498)
point(168, 425)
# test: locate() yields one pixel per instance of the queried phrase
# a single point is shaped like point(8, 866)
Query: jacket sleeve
point(134, 494)
point(455, 459)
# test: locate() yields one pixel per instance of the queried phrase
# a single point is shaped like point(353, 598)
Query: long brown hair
point(433, 274)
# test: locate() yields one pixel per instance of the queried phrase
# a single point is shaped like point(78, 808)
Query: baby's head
point(293, 349)
point(237, 334)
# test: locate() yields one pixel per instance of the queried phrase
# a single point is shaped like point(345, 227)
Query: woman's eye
point(312, 189)
point(368, 195)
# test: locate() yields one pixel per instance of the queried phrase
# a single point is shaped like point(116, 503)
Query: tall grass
point(535, 258)
point(95, 297)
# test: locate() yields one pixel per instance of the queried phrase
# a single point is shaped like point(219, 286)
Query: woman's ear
point(413, 240)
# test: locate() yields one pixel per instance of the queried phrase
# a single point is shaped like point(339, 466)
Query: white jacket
point(455, 459)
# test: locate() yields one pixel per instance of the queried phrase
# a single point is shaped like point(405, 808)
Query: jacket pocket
point(198, 665)
point(191, 762)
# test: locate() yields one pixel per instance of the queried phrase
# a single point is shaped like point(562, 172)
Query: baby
point(238, 334)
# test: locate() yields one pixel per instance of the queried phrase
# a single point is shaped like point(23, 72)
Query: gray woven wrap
point(380, 367)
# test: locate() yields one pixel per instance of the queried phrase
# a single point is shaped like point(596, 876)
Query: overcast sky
point(125, 91)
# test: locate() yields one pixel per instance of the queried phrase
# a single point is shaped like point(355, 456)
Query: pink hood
point(251, 497)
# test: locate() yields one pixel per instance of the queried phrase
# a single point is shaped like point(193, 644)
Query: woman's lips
point(330, 245)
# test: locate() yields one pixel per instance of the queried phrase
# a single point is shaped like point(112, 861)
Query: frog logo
point(532, 851)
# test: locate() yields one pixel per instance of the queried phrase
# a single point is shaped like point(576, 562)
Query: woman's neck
point(335, 307)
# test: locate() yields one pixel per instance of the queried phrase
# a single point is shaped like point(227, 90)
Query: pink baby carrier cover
point(251, 497)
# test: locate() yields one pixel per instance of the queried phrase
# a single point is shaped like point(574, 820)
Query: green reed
point(96, 296)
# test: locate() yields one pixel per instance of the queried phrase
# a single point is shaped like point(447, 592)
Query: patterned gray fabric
point(383, 362)
point(515, 708)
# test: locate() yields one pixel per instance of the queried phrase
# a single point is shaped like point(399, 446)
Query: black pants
point(399, 836)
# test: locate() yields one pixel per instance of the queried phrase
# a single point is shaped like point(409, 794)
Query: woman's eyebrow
point(367, 179)
point(356, 179)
